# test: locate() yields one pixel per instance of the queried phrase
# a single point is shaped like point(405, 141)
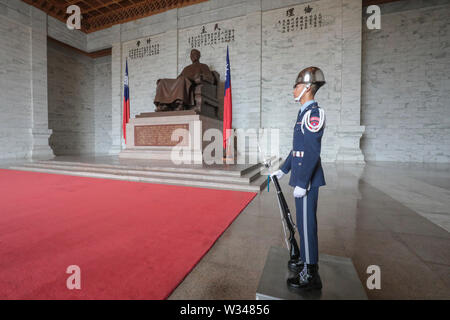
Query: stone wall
point(23, 85)
point(71, 84)
point(144, 72)
point(15, 93)
point(59, 31)
point(25, 132)
point(406, 81)
point(102, 103)
point(284, 54)
point(402, 101)
point(79, 102)
point(264, 62)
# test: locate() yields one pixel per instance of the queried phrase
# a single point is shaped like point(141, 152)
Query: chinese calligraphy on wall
point(144, 49)
point(217, 36)
point(295, 21)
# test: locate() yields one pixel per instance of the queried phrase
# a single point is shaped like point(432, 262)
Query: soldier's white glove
point(299, 192)
point(279, 174)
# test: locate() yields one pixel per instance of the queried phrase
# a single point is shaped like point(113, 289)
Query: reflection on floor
point(385, 214)
point(396, 216)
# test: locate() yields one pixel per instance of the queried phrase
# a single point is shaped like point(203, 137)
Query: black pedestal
point(339, 279)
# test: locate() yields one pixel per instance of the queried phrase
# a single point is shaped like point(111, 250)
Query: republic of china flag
point(227, 106)
point(126, 103)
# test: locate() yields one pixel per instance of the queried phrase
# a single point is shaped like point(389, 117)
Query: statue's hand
point(198, 79)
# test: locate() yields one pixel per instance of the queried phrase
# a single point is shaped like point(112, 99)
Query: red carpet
point(131, 240)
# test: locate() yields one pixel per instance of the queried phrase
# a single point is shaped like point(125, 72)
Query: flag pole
point(229, 154)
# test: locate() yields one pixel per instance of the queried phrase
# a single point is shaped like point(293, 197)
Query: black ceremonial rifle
point(286, 219)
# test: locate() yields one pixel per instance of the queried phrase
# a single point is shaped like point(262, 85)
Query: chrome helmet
point(311, 75)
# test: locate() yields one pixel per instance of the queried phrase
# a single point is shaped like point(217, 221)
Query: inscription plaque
point(160, 135)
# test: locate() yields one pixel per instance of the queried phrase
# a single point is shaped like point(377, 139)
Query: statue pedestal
point(173, 135)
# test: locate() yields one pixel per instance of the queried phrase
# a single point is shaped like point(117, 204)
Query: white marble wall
point(264, 63)
point(71, 101)
point(79, 102)
point(15, 85)
point(24, 132)
point(285, 54)
point(144, 72)
point(406, 81)
point(102, 104)
point(59, 31)
point(116, 91)
point(412, 44)
point(39, 100)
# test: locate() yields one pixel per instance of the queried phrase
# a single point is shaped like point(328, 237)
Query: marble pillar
point(116, 87)
point(350, 130)
point(39, 103)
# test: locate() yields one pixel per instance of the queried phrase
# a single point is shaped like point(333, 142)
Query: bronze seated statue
point(194, 89)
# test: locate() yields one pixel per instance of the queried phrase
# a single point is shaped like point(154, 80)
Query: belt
point(297, 154)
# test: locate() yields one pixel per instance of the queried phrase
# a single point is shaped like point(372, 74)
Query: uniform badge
point(314, 121)
point(313, 124)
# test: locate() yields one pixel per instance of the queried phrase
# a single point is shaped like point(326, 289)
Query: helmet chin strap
point(302, 93)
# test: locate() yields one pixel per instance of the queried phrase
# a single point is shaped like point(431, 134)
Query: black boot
point(307, 279)
point(295, 265)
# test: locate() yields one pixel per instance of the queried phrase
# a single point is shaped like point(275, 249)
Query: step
point(246, 179)
point(255, 186)
point(200, 170)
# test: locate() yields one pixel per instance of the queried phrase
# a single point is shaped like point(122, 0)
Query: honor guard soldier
point(306, 176)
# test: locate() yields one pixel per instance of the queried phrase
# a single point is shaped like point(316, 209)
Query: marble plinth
point(175, 136)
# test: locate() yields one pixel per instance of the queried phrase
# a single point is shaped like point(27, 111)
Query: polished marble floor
point(393, 215)
point(396, 216)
